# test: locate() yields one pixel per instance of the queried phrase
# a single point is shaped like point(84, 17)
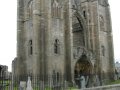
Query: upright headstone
point(66, 85)
point(22, 85)
point(29, 86)
point(97, 80)
point(82, 81)
point(74, 84)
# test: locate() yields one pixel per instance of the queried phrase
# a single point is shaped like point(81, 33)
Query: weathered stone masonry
point(68, 37)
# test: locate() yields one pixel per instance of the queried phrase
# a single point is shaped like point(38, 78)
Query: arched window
point(56, 46)
point(101, 23)
point(56, 9)
point(30, 47)
point(78, 32)
point(30, 9)
point(103, 50)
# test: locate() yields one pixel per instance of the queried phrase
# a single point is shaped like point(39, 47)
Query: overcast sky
point(8, 25)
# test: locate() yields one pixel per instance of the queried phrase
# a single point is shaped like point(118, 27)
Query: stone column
point(39, 30)
point(36, 37)
point(68, 39)
point(21, 69)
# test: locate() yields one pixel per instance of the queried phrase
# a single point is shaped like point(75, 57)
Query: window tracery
point(56, 9)
point(30, 9)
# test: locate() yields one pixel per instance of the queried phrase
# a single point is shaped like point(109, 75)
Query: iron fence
point(50, 82)
point(36, 83)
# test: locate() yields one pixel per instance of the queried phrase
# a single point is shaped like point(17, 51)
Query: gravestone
point(97, 80)
point(22, 85)
point(82, 81)
point(66, 85)
point(29, 86)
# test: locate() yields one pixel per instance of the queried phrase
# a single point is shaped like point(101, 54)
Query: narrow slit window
point(84, 14)
point(103, 50)
point(56, 46)
point(30, 47)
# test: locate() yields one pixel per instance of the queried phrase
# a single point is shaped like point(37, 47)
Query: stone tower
point(66, 37)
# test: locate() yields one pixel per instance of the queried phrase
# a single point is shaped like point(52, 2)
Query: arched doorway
point(83, 67)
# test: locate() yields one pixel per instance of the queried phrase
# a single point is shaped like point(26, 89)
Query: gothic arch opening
point(78, 32)
point(83, 68)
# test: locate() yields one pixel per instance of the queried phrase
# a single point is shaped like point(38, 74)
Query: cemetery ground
point(9, 84)
point(114, 82)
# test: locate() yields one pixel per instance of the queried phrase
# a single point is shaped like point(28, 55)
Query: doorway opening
point(83, 68)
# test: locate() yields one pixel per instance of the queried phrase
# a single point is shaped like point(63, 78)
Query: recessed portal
point(83, 68)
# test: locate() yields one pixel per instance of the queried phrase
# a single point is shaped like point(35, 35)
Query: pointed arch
point(83, 67)
point(30, 9)
point(79, 30)
point(56, 9)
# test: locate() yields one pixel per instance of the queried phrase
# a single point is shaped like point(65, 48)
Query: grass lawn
point(48, 88)
point(72, 88)
point(114, 82)
point(8, 88)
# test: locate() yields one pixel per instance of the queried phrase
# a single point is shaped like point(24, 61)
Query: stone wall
point(108, 87)
point(45, 27)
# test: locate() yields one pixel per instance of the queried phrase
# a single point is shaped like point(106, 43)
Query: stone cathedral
point(65, 37)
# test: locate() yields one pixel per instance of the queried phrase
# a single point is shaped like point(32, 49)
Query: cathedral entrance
point(82, 71)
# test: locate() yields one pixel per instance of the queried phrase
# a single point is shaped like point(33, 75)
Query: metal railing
point(21, 83)
point(50, 82)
